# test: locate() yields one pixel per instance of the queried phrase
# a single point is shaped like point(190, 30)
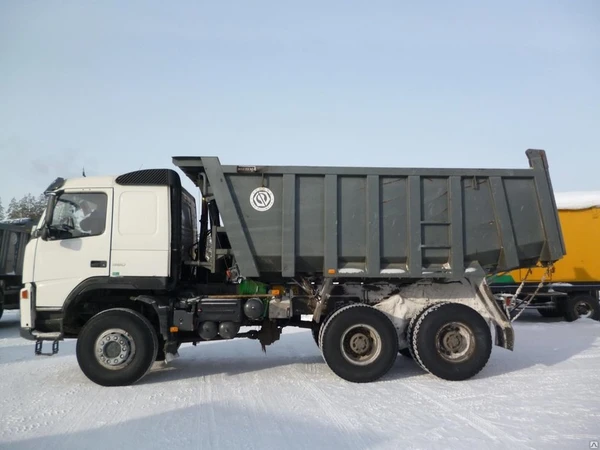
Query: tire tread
point(415, 338)
point(344, 309)
point(142, 320)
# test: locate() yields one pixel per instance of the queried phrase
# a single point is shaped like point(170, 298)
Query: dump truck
point(14, 235)
point(571, 288)
point(376, 262)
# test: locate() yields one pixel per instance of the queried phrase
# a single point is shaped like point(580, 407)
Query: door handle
point(97, 263)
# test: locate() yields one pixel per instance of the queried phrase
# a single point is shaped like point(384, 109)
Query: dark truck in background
point(14, 235)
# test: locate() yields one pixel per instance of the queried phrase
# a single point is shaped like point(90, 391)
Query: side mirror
point(44, 230)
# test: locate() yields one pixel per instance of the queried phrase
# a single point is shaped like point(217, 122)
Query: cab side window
point(78, 215)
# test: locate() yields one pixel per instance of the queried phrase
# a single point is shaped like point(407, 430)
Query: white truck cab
point(118, 233)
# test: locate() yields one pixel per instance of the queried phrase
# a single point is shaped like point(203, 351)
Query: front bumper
point(29, 318)
point(27, 333)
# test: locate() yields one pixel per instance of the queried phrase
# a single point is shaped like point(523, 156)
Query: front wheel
point(452, 341)
point(359, 343)
point(117, 347)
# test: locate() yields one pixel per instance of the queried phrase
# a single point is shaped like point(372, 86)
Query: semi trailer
point(374, 261)
point(571, 289)
point(14, 235)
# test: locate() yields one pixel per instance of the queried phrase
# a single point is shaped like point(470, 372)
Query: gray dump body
point(13, 239)
point(382, 222)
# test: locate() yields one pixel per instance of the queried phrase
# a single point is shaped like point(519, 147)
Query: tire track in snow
point(212, 425)
point(352, 429)
point(479, 423)
point(100, 402)
point(80, 415)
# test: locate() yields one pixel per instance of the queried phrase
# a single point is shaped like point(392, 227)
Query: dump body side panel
point(382, 222)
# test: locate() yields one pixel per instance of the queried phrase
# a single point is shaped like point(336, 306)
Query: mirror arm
point(45, 228)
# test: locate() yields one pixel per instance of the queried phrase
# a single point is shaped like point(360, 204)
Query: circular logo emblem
point(262, 199)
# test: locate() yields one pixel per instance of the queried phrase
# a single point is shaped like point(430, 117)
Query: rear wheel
point(581, 306)
point(316, 328)
point(117, 347)
point(321, 325)
point(359, 343)
point(409, 336)
point(452, 341)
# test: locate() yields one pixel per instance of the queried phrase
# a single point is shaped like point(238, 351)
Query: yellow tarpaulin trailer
point(573, 284)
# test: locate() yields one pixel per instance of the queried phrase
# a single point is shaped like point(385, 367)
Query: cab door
point(76, 246)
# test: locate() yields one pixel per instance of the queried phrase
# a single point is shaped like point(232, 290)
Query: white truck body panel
point(141, 232)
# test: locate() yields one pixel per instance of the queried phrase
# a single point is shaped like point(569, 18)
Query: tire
point(409, 334)
point(356, 329)
point(136, 359)
point(316, 328)
point(321, 325)
point(324, 320)
point(1, 304)
point(407, 352)
point(429, 346)
point(581, 306)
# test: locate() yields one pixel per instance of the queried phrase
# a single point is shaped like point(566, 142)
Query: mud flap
point(268, 334)
point(505, 334)
point(323, 297)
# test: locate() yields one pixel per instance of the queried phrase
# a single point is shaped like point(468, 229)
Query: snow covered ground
point(229, 395)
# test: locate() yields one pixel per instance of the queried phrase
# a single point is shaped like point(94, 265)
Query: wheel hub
point(455, 342)
point(361, 344)
point(583, 309)
point(115, 349)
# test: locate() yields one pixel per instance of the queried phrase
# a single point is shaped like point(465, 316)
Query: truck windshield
point(79, 214)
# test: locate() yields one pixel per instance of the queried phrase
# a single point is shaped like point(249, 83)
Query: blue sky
point(115, 86)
